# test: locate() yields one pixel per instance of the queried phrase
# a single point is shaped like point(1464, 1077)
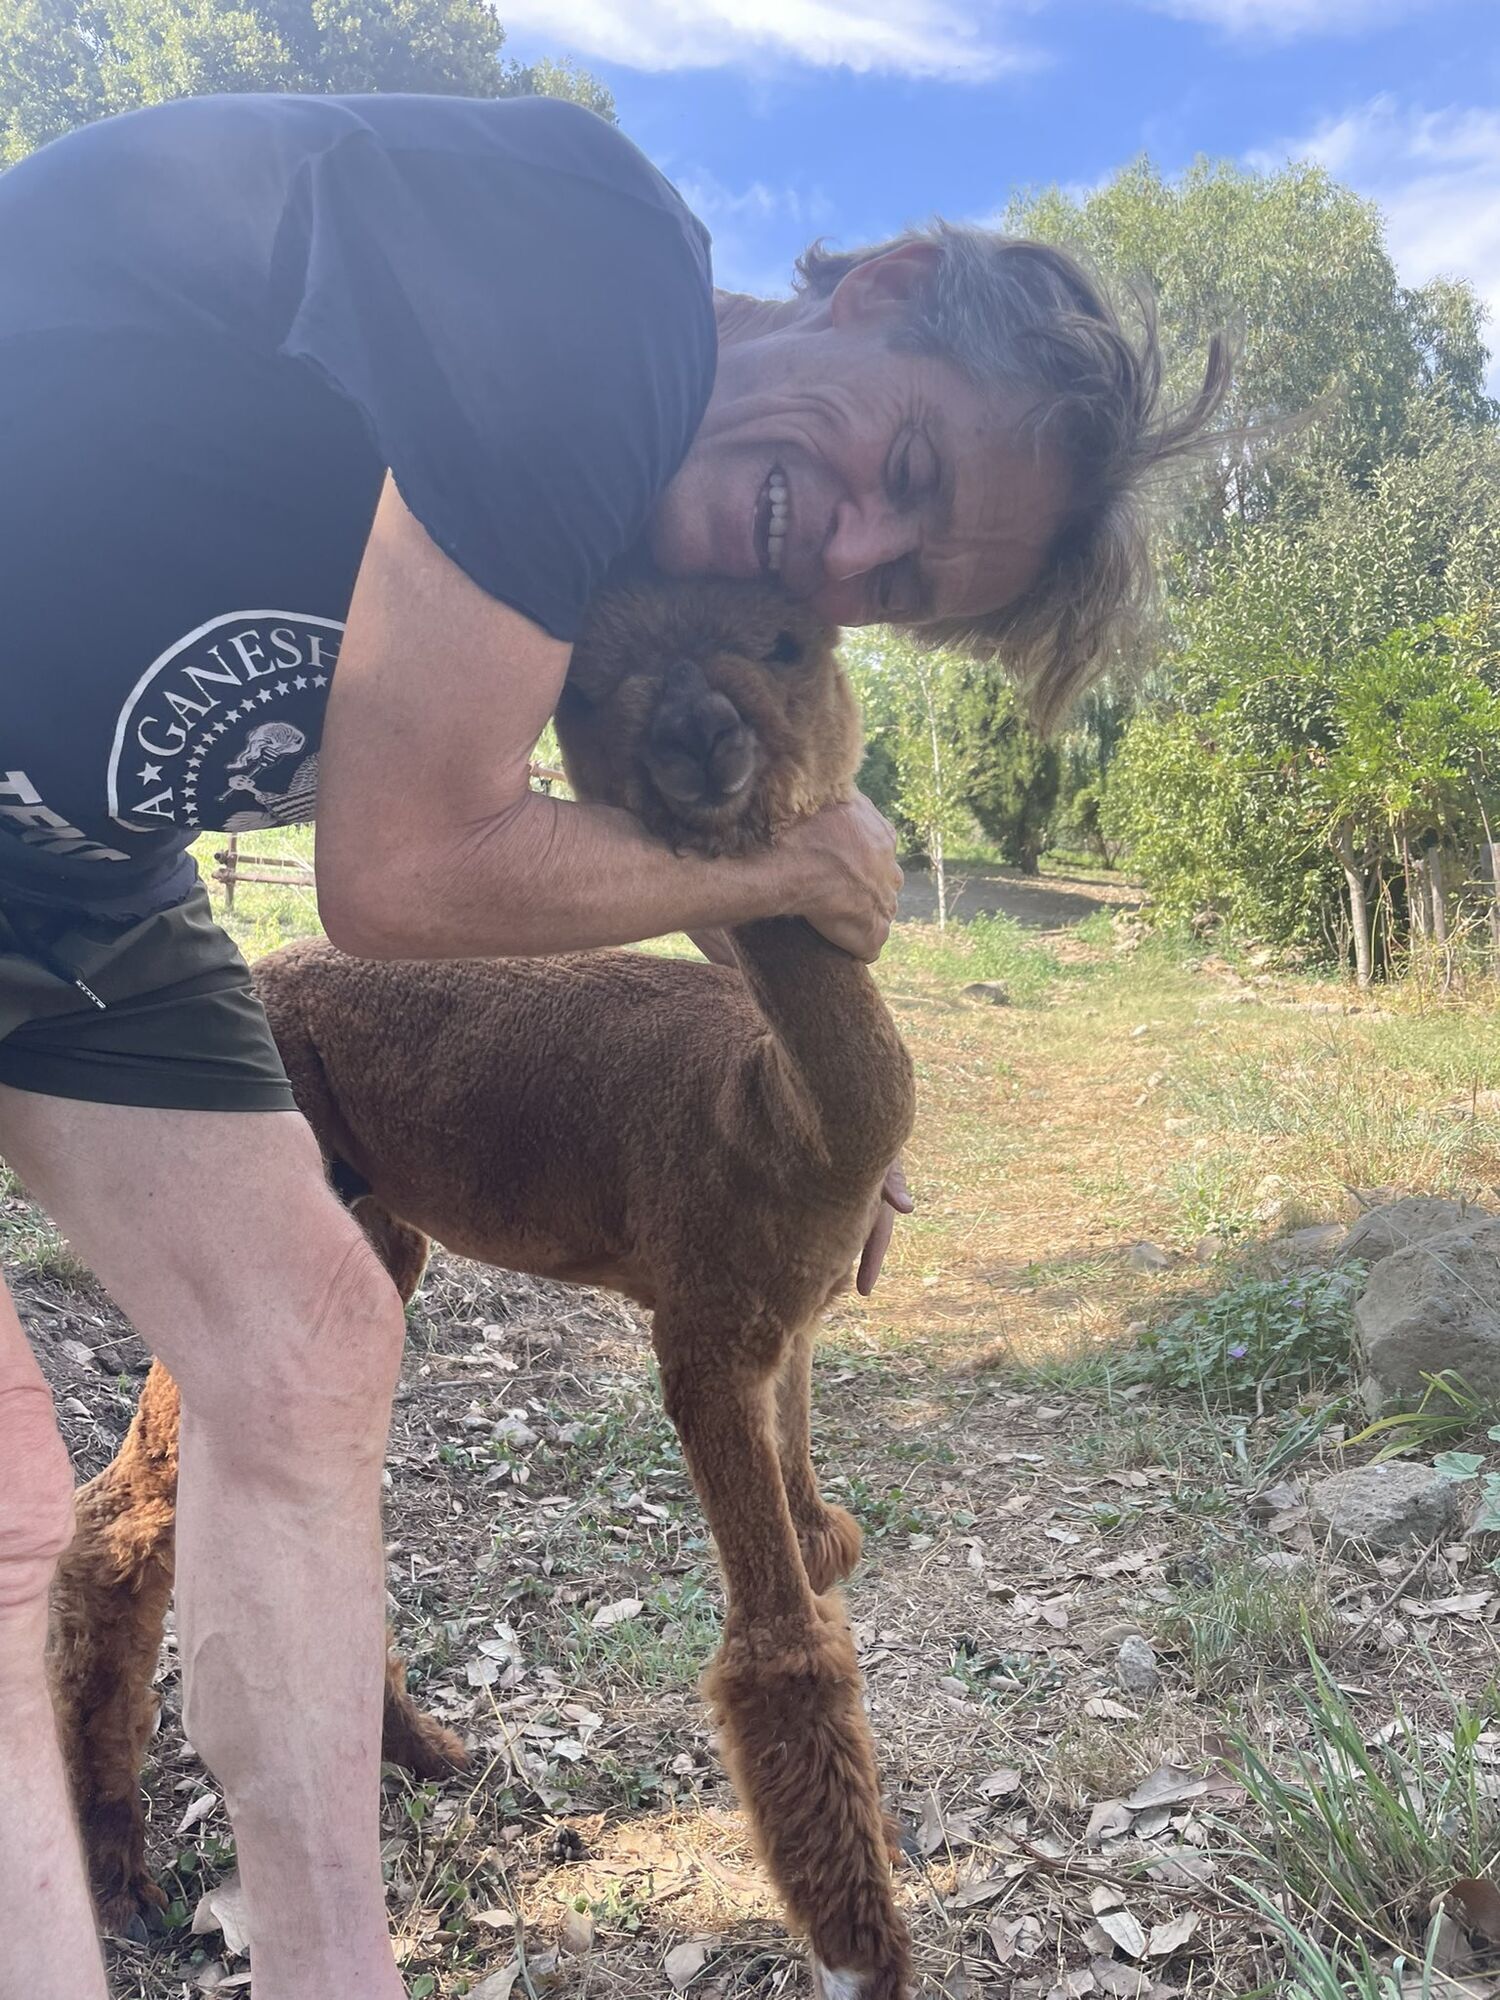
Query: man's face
point(881, 486)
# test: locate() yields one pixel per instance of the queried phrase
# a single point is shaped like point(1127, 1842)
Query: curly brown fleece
point(708, 1141)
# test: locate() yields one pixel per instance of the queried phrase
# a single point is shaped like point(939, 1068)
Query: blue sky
point(786, 119)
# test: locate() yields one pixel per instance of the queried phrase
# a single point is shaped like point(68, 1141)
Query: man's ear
point(882, 287)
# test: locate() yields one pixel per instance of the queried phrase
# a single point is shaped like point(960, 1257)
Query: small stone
point(1136, 1670)
point(992, 990)
point(1383, 1507)
point(80, 1355)
point(1148, 1257)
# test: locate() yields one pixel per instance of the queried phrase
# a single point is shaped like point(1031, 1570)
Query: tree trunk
point(1416, 893)
point(939, 874)
point(1492, 849)
point(1359, 906)
point(1433, 871)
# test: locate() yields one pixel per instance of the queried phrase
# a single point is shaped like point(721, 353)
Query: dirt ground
point(554, 1591)
point(1041, 902)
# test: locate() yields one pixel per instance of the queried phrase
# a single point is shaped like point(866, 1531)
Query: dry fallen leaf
point(684, 1962)
point(199, 1809)
point(577, 1933)
point(1172, 1935)
point(498, 1984)
point(616, 1613)
point(1123, 1928)
point(223, 1909)
point(1467, 1606)
point(999, 1784)
point(1108, 1821)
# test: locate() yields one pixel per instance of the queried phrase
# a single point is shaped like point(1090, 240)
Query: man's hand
point(855, 876)
point(894, 1200)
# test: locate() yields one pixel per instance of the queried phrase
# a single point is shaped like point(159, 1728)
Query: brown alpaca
point(708, 1141)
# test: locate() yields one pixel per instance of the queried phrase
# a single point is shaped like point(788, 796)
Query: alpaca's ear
point(787, 651)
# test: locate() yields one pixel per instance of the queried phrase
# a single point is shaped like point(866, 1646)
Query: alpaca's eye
point(787, 651)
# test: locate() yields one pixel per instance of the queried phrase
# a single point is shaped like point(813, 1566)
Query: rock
point(1383, 1507)
point(1136, 1670)
point(992, 990)
point(1397, 1225)
point(1148, 1257)
point(1317, 1244)
point(1433, 1307)
point(1207, 1248)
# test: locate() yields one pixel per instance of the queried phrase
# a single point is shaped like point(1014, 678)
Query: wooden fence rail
point(291, 871)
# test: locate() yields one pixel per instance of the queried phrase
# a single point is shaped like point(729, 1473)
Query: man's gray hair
point(1029, 319)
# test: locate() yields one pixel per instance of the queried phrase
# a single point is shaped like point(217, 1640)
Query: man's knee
point(308, 1360)
point(36, 1494)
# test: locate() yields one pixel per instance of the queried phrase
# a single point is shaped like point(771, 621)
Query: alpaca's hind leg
point(830, 1537)
point(785, 1688)
point(415, 1741)
point(109, 1602)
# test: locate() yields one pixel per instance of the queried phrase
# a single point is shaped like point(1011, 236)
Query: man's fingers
point(876, 1244)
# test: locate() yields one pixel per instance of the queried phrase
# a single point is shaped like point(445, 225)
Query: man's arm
point(431, 843)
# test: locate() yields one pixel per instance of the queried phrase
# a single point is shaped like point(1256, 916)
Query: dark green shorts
point(180, 1028)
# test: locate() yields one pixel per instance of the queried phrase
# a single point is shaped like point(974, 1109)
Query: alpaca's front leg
point(829, 1536)
point(785, 1688)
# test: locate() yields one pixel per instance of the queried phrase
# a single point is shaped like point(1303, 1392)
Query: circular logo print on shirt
point(222, 730)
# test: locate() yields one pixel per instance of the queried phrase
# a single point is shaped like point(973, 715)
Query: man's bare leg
point(215, 1233)
point(47, 1945)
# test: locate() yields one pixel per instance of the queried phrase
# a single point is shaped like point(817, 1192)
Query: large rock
point(1398, 1225)
point(1433, 1307)
point(1383, 1507)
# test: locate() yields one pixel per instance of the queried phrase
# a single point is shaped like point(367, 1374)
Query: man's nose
point(864, 538)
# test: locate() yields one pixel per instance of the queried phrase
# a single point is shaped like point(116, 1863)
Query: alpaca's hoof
point(416, 1743)
point(132, 1911)
point(829, 1983)
point(437, 1752)
point(830, 1549)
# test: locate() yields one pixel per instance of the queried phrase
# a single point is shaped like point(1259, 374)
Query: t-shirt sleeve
point(532, 349)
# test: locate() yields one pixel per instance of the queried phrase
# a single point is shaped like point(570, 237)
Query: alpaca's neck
point(834, 1032)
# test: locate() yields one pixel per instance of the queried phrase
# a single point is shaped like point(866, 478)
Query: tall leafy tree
point(1328, 336)
point(65, 62)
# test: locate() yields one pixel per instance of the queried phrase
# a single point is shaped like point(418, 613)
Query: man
point(395, 384)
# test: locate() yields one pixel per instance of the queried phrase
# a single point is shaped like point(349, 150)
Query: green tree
point(1012, 775)
point(913, 699)
point(66, 62)
point(1297, 265)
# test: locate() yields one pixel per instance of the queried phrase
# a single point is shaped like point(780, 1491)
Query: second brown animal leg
point(109, 1602)
point(829, 1536)
point(401, 1249)
point(785, 1687)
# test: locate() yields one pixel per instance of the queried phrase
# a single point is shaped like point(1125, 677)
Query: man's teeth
point(776, 541)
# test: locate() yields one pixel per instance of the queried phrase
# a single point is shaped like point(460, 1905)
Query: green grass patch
point(1258, 1343)
point(1364, 1827)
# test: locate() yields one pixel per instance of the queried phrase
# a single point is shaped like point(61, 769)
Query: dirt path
point(1042, 902)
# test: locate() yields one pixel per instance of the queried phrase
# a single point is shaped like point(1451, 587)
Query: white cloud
point(1436, 176)
point(1288, 20)
point(752, 227)
point(954, 39)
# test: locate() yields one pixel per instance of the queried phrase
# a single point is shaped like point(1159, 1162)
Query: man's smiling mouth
point(770, 522)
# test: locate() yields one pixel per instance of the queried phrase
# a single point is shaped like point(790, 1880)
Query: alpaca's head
point(715, 712)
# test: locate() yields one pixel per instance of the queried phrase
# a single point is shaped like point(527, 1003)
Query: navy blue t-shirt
point(221, 321)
